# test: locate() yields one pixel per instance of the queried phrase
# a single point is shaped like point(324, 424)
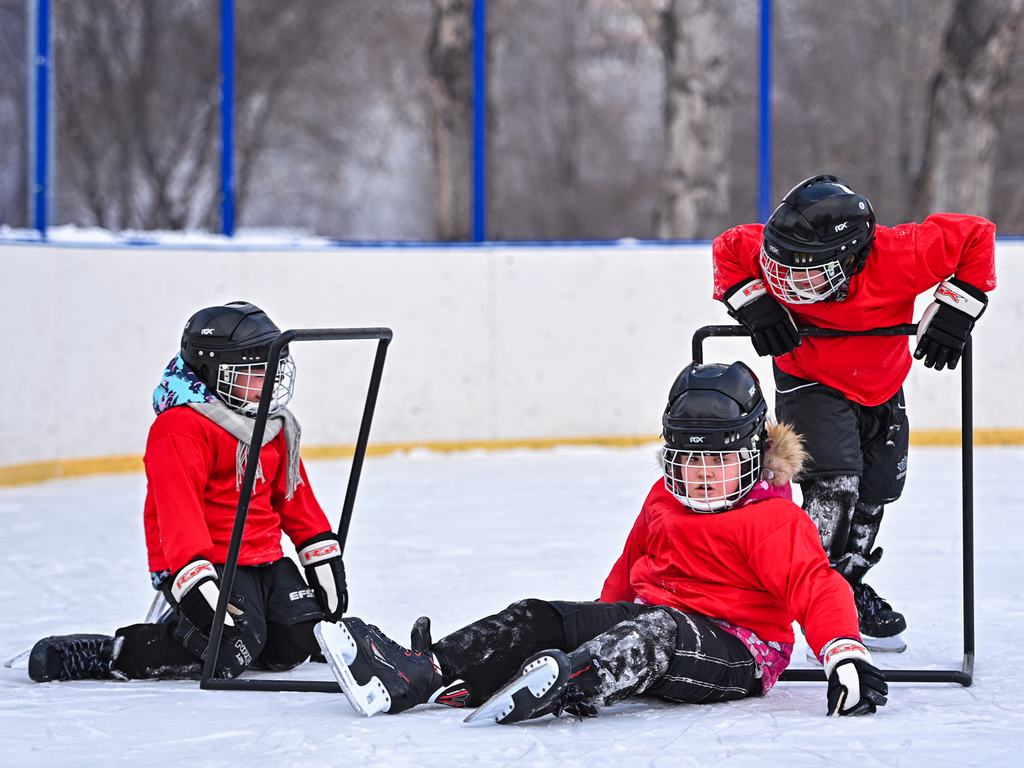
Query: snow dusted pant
point(641, 649)
point(847, 525)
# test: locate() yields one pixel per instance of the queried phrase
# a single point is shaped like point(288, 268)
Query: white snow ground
point(458, 536)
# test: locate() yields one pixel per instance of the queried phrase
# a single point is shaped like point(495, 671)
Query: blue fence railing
point(41, 114)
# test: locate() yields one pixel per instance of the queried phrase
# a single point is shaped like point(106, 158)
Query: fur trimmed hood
point(785, 458)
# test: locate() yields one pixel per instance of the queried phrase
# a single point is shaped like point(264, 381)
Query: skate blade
point(340, 650)
point(159, 610)
point(20, 661)
point(894, 644)
point(539, 676)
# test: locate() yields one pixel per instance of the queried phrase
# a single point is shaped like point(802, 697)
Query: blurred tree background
point(606, 118)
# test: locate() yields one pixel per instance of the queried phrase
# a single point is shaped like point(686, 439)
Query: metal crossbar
point(965, 675)
point(383, 335)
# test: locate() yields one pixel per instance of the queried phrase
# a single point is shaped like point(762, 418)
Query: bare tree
point(693, 35)
point(13, 114)
point(966, 99)
point(139, 105)
point(450, 53)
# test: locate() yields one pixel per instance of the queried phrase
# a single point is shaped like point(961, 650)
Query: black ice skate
point(377, 674)
point(72, 657)
point(880, 625)
point(546, 684)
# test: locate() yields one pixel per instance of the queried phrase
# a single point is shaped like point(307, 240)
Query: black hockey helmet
point(821, 226)
point(220, 343)
point(716, 415)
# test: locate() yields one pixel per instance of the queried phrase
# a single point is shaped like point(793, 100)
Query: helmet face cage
point(239, 386)
point(804, 285)
point(710, 481)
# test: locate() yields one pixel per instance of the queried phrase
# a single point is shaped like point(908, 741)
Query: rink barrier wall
point(41, 471)
point(495, 345)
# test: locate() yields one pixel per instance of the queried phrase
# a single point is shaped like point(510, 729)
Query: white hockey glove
point(855, 685)
point(771, 327)
point(946, 323)
point(194, 591)
point(325, 572)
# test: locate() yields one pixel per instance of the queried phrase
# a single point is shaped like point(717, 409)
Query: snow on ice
point(457, 536)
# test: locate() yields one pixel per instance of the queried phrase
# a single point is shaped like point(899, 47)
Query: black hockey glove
point(946, 324)
point(194, 591)
point(771, 327)
point(855, 685)
point(325, 572)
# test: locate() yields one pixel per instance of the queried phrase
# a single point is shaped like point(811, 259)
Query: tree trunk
point(967, 95)
point(450, 54)
point(694, 194)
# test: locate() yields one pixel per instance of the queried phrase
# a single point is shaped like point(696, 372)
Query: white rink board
point(490, 342)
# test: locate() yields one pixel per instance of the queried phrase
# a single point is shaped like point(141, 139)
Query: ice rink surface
point(458, 536)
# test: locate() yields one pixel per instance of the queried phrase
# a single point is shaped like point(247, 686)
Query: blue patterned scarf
point(178, 386)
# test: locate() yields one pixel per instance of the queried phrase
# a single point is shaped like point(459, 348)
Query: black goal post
point(965, 675)
point(383, 336)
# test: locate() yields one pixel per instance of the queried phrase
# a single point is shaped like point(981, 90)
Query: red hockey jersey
point(759, 566)
point(905, 261)
point(191, 496)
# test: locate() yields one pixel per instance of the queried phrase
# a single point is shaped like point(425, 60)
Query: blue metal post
point(227, 111)
point(41, 113)
point(764, 190)
point(479, 121)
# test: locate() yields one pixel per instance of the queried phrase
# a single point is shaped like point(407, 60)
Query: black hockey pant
point(858, 464)
point(274, 631)
point(680, 657)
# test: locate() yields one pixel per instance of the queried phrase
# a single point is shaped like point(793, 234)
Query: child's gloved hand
point(325, 572)
point(855, 685)
point(946, 324)
point(771, 327)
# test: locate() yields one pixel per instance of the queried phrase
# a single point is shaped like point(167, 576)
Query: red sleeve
point(301, 516)
point(791, 564)
point(956, 245)
point(178, 465)
point(617, 586)
point(734, 256)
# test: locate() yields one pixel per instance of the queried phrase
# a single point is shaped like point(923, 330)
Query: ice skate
point(546, 684)
point(72, 657)
point(376, 673)
point(880, 625)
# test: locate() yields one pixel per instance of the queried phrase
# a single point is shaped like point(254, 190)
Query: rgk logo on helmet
point(696, 438)
point(206, 332)
point(841, 227)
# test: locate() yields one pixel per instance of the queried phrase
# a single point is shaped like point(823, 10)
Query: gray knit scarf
point(240, 427)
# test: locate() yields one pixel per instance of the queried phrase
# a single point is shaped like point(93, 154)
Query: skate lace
point(82, 658)
point(573, 702)
point(392, 645)
point(869, 600)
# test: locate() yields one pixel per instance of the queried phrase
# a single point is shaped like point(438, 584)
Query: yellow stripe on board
point(39, 471)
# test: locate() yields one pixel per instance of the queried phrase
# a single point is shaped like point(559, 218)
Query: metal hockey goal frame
point(383, 336)
point(965, 675)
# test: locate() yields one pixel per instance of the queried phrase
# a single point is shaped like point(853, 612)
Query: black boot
point(624, 661)
point(376, 673)
point(876, 617)
point(548, 683)
point(72, 657)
